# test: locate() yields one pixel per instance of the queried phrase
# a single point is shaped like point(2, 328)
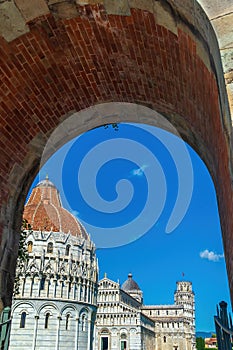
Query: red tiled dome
point(44, 212)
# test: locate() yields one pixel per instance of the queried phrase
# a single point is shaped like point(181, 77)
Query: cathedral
point(61, 305)
point(123, 322)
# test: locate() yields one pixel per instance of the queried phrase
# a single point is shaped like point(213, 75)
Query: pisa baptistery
point(55, 306)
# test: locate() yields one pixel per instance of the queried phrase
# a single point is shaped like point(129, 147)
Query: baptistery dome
point(44, 211)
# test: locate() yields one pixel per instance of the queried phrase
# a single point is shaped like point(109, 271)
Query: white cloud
point(139, 171)
point(211, 256)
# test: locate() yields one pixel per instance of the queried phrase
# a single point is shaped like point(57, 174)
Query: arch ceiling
point(220, 14)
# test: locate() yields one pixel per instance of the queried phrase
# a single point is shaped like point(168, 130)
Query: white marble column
point(39, 285)
point(58, 332)
point(87, 291)
point(88, 334)
point(74, 289)
point(61, 287)
point(67, 288)
point(35, 333)
point(23, 284)
point(76, 333)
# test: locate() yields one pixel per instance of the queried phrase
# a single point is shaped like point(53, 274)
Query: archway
point(154, 258)
point(71, 57)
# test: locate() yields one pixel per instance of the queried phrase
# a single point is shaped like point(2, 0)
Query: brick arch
point(59, 59)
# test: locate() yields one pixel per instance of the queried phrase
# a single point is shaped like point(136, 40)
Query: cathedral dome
point(44, 212)
point(130, 284)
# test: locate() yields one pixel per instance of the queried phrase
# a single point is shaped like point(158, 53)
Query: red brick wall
point(67, 65)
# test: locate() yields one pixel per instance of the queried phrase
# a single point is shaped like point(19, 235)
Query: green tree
point(200, 343)
point(22, 254)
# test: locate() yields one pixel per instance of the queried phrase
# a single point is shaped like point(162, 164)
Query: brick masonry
point(76, 55)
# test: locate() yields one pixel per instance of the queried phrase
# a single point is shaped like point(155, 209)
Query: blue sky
point(124, 185)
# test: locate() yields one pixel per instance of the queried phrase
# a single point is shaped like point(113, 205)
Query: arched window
point(50, 247)
point(46, 324)
point(42, 283)
point(30, 246)
point(23, 320)
point(67, 253)
point(104, 339)
point(67, 321)
point(84, 322)
point(123, 342)
point(164, 339)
